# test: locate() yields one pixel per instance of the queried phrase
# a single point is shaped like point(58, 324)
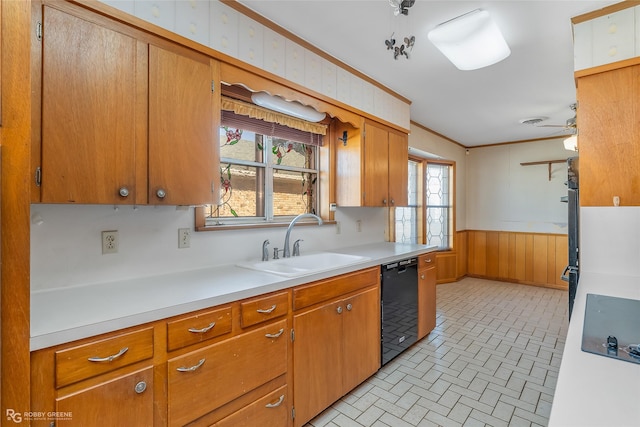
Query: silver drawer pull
point(192, 368)
point(109, 358)
point(140, 387)
point(203, 330)
point(266, 310)
point(276, 404)
point(427, 260)
point(276, 335)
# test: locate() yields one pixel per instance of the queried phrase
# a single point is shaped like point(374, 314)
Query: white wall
point(426, 141)
point(66, 248)
point(503, 195)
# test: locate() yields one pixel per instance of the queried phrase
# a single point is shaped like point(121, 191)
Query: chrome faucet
point(265, 252)
point(287, 252)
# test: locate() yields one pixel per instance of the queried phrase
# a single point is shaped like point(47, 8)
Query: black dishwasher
point(399, 307)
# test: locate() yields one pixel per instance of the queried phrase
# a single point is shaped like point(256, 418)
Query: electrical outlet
point(184, 238)
point(358, 225)
point(338, 227)
point(110, 242)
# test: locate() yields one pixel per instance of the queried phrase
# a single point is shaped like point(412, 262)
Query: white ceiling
point(470, 107)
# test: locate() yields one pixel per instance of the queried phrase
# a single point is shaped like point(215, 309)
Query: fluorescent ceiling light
point(571, 143)
point(470, 41)
point(290, 108)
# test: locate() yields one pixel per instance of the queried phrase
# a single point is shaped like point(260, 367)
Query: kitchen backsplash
point(66, 247)
point(610, 240)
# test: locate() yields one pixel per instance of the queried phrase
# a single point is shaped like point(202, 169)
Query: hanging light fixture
point(470, 41)
point(290, 108)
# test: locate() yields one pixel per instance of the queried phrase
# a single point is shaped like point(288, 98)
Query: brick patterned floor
point(492, 360)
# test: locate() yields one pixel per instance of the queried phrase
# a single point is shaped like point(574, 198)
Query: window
point(429, 216)
point(268, 172)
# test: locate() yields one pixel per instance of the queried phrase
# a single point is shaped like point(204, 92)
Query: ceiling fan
point(570, 124)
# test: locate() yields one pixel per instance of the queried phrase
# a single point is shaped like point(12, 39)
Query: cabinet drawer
point(203, 380)
point(261, 309)
point(427, 260)
point(324, 290)
point(198, 328)
point(272, 410)
point(98, 357)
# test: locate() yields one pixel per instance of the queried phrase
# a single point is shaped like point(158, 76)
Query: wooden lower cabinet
point(426, 298)
point(204, 380)
point(271, 410)
point(123, 401)
point(336, 347)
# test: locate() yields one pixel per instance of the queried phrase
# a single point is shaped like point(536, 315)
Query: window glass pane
point(242, 191)
point(295, 154)
point(413, 183)
point(240, 145)
point(439, 205)
point(293, 192)
point(407, 225)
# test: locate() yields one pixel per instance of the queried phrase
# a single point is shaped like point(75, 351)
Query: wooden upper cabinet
point(398, 169)
point(182, 126)
point(126, 118)
point(608, 118)
point(93, 110)
point(372, 167)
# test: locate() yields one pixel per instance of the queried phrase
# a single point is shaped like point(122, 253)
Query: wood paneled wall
point(529, 258)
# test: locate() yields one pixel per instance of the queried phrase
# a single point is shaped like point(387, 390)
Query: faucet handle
point(276, 251)
point(296, 247)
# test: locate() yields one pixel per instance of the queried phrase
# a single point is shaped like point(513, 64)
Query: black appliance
point(571, 272)
point(612, 327)
point(399, 307)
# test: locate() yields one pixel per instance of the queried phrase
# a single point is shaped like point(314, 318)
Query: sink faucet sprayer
point(287, 253)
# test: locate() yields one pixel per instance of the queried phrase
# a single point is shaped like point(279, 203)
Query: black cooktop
point(612, 327)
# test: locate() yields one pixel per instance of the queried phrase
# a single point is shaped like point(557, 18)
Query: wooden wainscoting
point(529, 258)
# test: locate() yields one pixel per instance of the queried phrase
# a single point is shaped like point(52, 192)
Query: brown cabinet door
point(181, 127)
point(609, 140)
point(124, 401)
point(426, 301)
point(317, 360)
point(91, 110)
point(376, 166)
point(398, 169)
point(361, 333)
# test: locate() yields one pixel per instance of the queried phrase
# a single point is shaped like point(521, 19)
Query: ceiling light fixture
point(291, 108)
point(470, 41)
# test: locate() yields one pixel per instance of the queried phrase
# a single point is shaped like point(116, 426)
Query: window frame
point(421, 207)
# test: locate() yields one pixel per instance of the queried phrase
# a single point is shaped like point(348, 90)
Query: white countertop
point(594, 390)
point(67, 314)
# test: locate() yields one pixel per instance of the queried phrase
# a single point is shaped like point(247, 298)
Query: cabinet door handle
point(393, 202)
point(266, 310)
point(422, 276)
point(203, 330)
point(276, 335)
point(191, 368)
point(275, 404)
point(140, 387)
point(384, 202)
point(349, 307)
point(123, 191)
point(109, 358)
point(339, 309)
point(161, 193)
